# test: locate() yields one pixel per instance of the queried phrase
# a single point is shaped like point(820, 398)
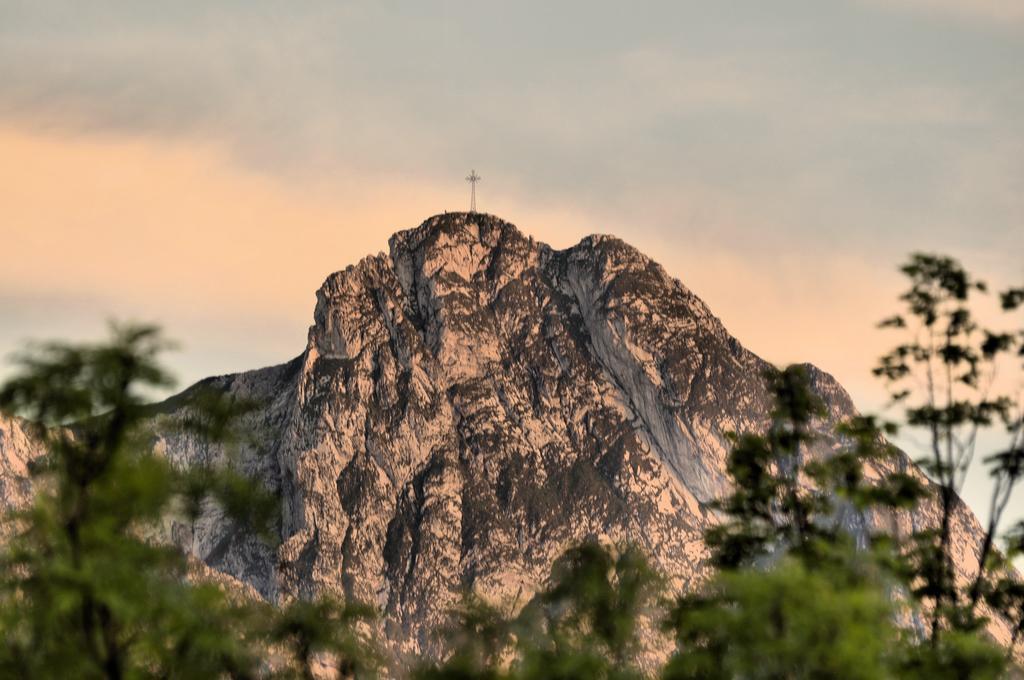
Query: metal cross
point(473, 178)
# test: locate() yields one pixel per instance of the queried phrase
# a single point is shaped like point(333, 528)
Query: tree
point(790, 621)
point(592, 611)
point(784, 502)
point(88, 588)
point(324, 630)
point(481, 637)
point(584, 625)
point(945, 374)
point(794, 596)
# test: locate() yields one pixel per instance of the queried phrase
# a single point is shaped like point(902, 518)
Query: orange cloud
point(174, 224)
point(177, 233)
point(181, 233)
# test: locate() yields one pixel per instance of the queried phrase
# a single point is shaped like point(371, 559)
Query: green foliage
point(944, 375)
point(480, 637)
point(782, 502)
point(89, 588)
point(327, 629)
point(788, 622)
point(958, 655)
point(766, 469)
point(597, 598)
point(584, 625)
point(795, 597)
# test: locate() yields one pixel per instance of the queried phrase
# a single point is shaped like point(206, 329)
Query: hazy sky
point(206, 165)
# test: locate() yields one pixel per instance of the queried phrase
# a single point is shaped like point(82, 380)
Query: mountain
point(473, 402)
point(17, 449)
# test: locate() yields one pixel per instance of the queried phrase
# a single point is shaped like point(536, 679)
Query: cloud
point(181, 235)
point(992, 11)
point(95, 227)
point(773, 130)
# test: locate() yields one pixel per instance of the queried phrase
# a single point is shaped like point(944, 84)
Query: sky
point(205, 165)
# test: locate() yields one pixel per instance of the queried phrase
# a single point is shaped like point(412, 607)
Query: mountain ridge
point(473, 402)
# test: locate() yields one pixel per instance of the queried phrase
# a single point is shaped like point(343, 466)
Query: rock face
point(472, 403)
point(17, 449)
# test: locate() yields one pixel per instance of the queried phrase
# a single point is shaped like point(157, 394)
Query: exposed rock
point(471, 404)
point(17, 449)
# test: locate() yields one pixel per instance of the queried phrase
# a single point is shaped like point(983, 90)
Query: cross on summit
point(473, 178)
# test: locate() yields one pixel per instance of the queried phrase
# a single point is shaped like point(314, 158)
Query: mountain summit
point(472, 403)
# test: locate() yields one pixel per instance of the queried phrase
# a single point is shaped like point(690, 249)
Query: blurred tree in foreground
point(585, 624)
point(87, 588)
point(946, 374)
point(323, 633)
point(796, 595)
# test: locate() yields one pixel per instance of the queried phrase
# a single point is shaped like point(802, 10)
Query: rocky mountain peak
point(472, 403)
